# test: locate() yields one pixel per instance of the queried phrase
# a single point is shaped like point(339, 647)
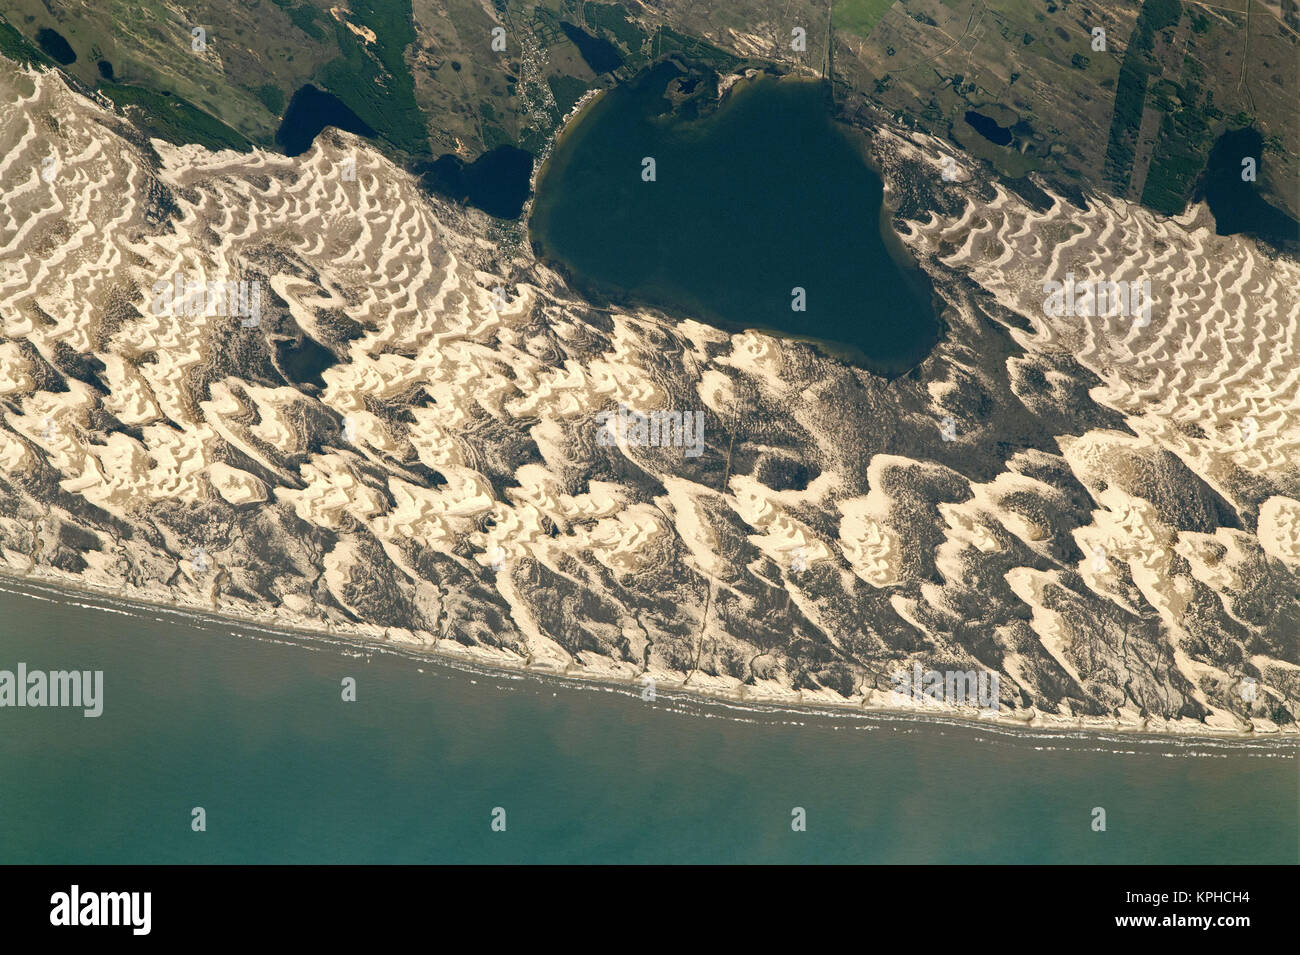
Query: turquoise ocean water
point(251, 726)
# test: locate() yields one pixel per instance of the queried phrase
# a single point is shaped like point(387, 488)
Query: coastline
point(567, 123)
point(122, 482)
point(772, 699)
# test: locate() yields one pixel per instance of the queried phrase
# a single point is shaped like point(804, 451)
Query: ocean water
point(251, 726)
point(756, 198)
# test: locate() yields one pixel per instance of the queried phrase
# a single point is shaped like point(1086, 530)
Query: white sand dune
point(1212, 380)
point(441, 483)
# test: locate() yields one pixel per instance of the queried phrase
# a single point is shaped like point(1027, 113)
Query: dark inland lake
point(1237, 204)
point(752, 200)
point(311, 110)
point(988, 127)
point(498, 182)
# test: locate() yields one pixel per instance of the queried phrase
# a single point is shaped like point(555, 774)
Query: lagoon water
point(750, 200)
point(1236, 204)
point(310, 111)
point(251, 727)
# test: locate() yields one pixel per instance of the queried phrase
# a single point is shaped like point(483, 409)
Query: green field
point(429, 82)
point(373, 79)
point(860, 16)
point(175, 120)
point(17, 47)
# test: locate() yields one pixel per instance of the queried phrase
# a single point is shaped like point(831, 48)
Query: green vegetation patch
point(304, 17)
point(272, 98)
point(372, 79)
point(567, 90)
point(1008, 161)
point(546, 28)
point(175, 119)
point(668, 40)
point(1131, 92)
point(612, 18)
point(859, 17)
point(1181, 151)
point(18, 48)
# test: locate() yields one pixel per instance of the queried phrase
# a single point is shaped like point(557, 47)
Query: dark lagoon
point(250, 725)
point(751, 200)
point(54, 44)
point(303, 360)
point(1236, 204)
point(988, 127)
point(498, 182)
point(601, 55)
point(311, 110)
